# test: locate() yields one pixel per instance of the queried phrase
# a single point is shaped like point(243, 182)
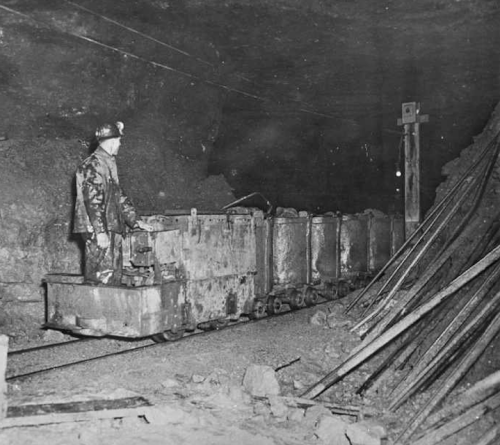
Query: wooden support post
point(4, 344)
point(411, 121)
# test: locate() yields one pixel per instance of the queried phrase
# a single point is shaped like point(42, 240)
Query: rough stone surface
point(167, 415)
point(375, 429)
point(197, 378)
point(215, 412)
point(54, 336)
point(278, 407)
point(364, 434)
point(295, 415)
point(314, 413)
point(333, 322)
point(319, 318)
point(261, 381)
point(332, 431)
point(170, 383)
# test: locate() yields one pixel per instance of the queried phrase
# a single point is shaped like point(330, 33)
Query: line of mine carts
point(204, 270)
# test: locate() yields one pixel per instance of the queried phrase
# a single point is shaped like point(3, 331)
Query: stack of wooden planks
point(433, 310)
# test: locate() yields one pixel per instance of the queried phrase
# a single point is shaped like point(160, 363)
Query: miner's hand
point(103, 240)
point(144, 226)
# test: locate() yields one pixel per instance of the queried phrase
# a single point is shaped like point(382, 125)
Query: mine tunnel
point(313, 252)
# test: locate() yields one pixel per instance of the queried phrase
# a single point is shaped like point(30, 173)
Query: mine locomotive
point(203, 271)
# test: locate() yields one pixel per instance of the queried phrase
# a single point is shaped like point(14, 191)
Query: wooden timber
point(366, 352)
point(77, 408)
point(4, 344)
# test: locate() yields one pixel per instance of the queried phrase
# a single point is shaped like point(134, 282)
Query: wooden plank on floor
point(10, 422)
point(89, 408)
point(75, 407)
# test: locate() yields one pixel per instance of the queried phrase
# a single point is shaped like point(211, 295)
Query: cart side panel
point(117, 311)
point(218, 245)
point(290, 251)
point(220, 297)
point(354, 246)
point(324, 249)
point(379, 239)
point(263, 252)
point(397, 233)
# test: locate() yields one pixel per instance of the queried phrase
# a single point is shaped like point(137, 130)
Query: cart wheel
point(343, 289)
point(274, 305)
point(258, 310)
point(221, 323)
point(296, 299)
point(214, 325)
point(330, 291)
point(310, 296)
point(165, 336)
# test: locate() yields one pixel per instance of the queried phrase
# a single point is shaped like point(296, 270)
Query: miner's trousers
point(103, 266)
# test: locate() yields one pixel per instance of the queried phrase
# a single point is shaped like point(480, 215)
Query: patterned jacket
point(101, 206)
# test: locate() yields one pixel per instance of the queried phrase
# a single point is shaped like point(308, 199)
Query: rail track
point(42, 347)
point(20, 362)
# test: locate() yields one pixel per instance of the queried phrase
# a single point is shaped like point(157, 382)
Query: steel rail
point(42, 347)
point(153, 345)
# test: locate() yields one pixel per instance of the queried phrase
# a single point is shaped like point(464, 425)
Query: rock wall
point(454, 170)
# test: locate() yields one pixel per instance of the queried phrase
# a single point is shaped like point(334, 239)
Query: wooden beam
point(367, 351)
point(411, 123)
point(340, 410)
point(84, 416)
point(4, 345)
point(412, 178)
point(436, 435)
point(478, 393)
point(459, 370)
point(78, 408)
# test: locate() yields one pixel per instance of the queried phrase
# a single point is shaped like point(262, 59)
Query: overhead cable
point(162, 65)
point(146, 36)
point(134, 56)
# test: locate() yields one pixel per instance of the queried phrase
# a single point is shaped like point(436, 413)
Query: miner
point(102, 210)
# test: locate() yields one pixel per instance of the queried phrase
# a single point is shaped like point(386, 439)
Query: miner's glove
point(144, 226)
point(103, 240)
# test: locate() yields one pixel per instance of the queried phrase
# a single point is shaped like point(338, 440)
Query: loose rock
point(333, 322)
point(261, 381)
point(278, 408)
point(53, 336)
point(170, 383)
point(197, 378)
point(366, 433)
point(238, 395)
point(295, 415)
point(332, 431)
point(313, 415)
point(319, 318)
point(165, 414)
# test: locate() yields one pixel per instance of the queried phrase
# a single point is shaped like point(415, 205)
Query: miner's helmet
point(109, 131)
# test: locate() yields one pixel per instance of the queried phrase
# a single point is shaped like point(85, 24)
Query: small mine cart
point(192, 269)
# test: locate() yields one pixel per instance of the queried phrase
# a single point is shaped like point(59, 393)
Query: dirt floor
point(196, 385)
point(196, 388)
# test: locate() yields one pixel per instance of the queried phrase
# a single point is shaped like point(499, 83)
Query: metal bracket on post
point(193, 222)
point(411, 120)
